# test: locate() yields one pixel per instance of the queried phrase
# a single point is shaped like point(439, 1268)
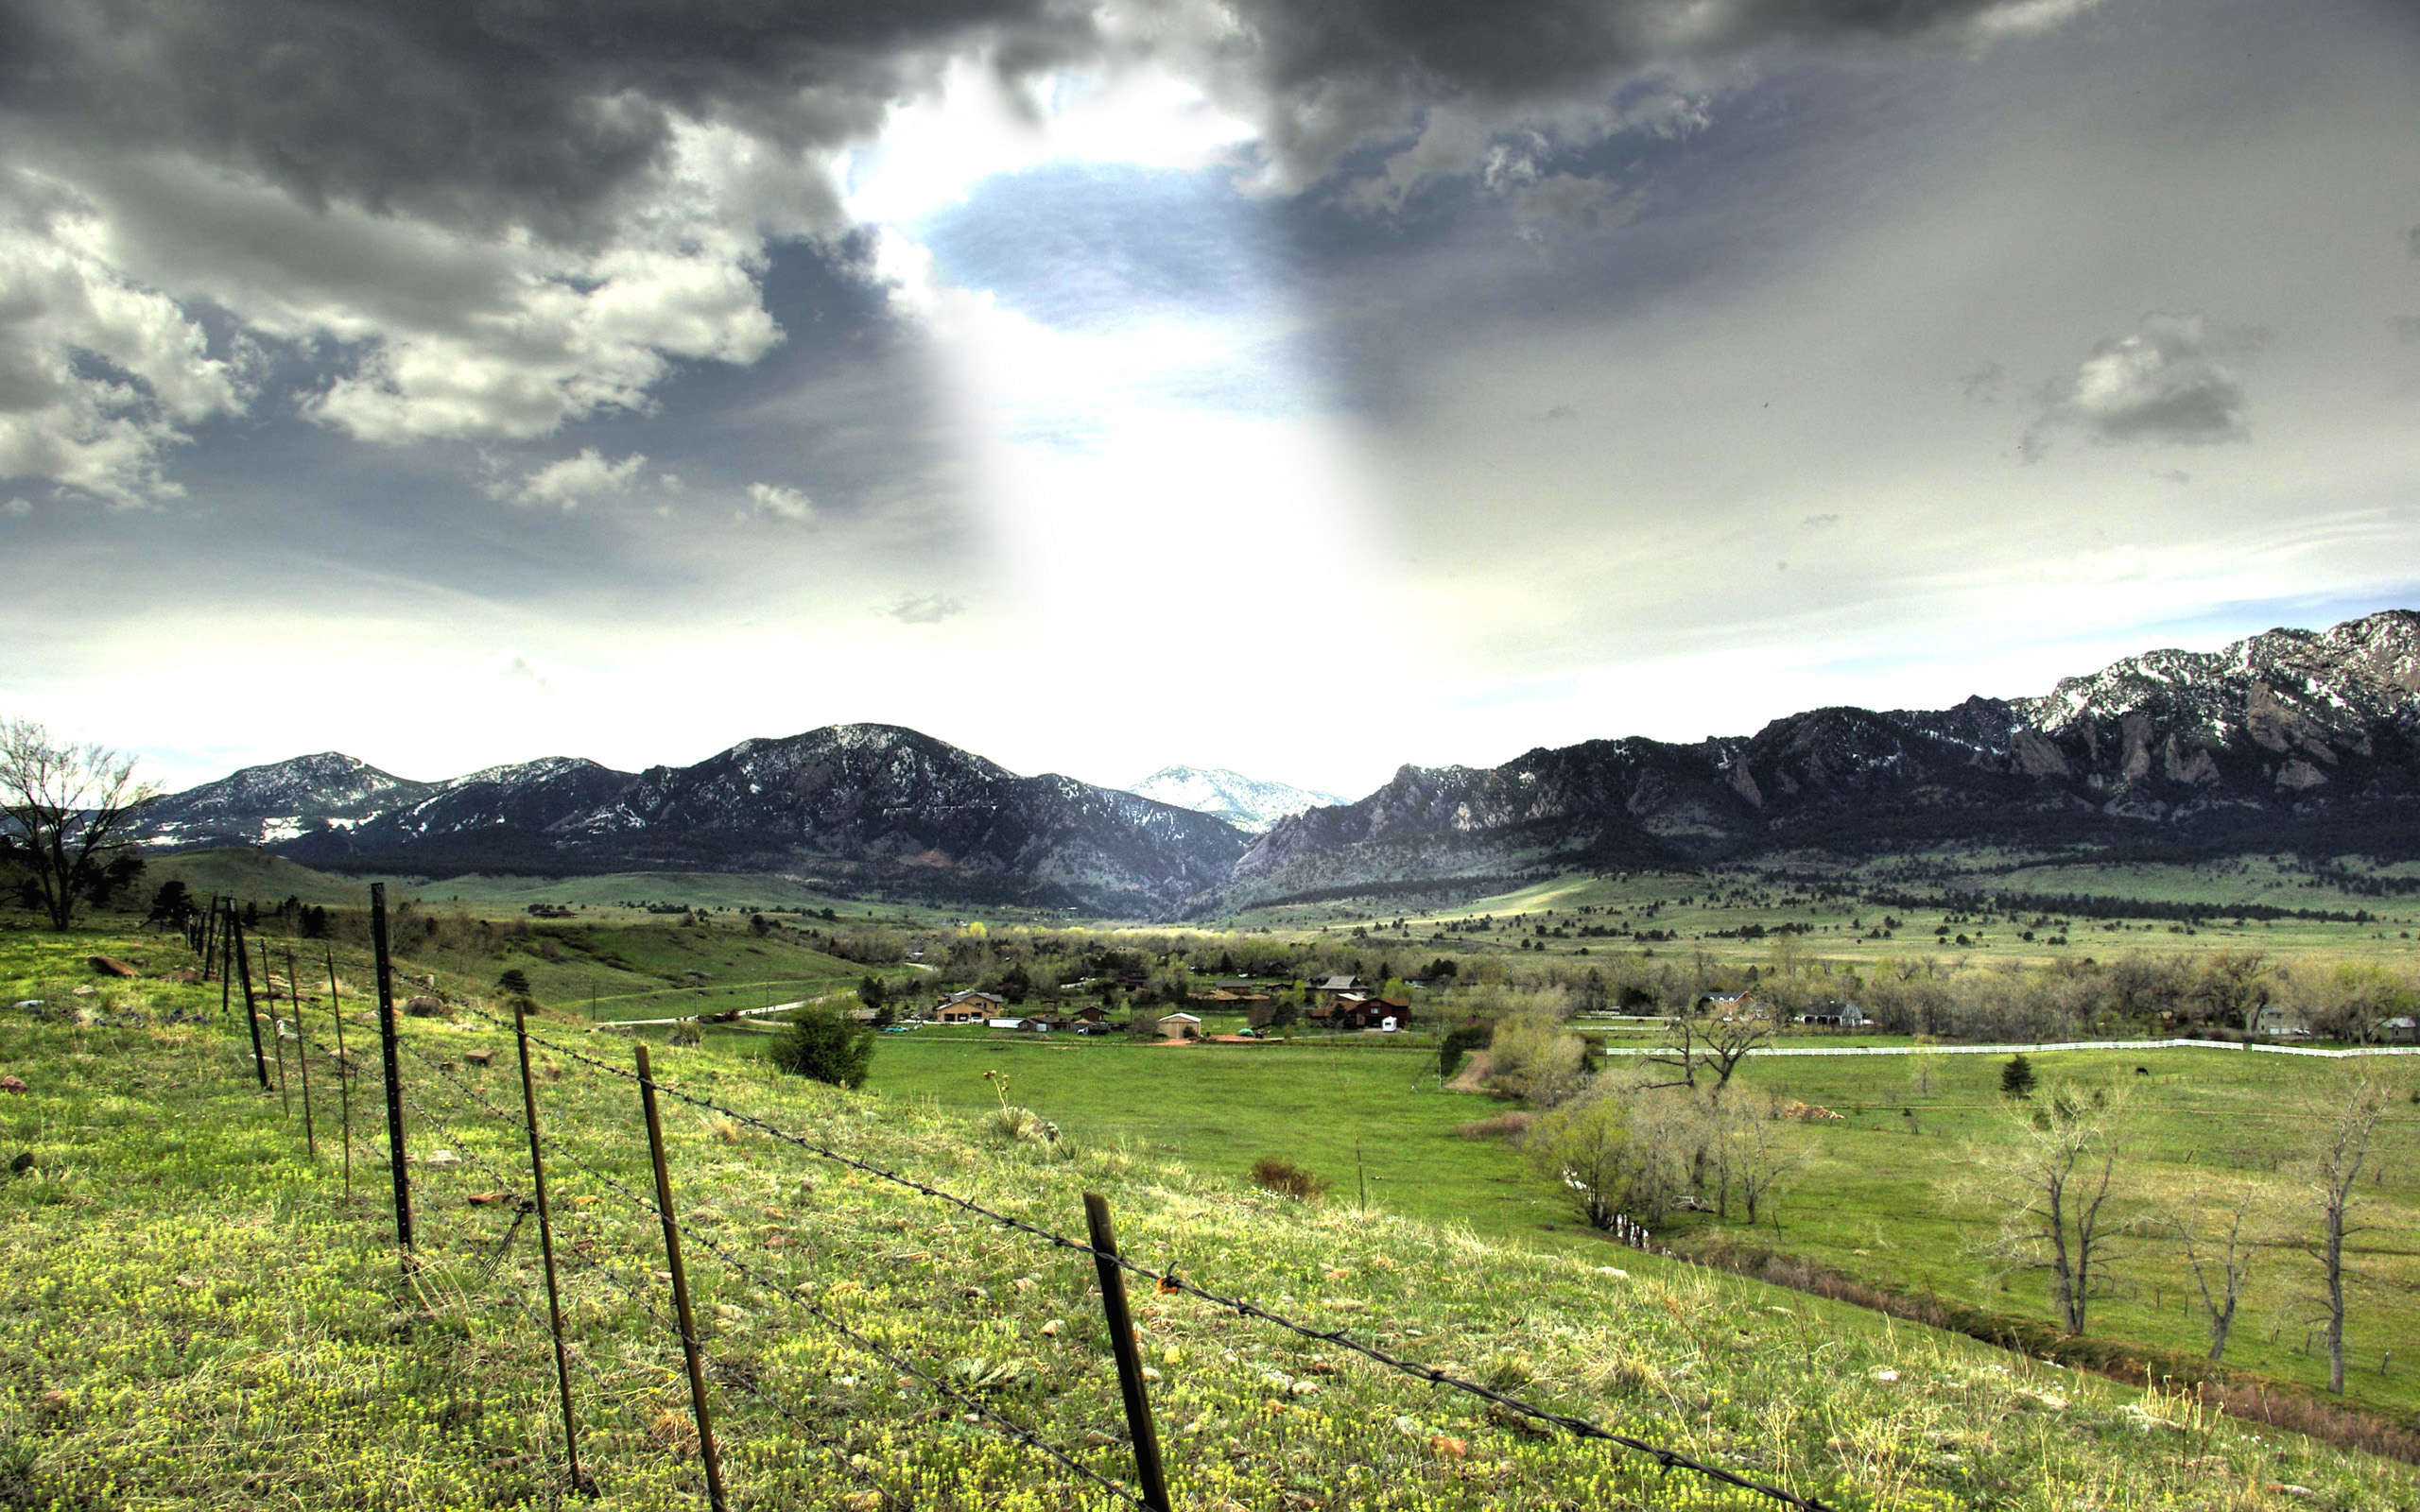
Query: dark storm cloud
point(1335, 75)
point(481, 114)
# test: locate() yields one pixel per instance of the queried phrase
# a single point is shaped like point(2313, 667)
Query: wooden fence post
point(679, 1286)
point(394, 1073)
point(546, 1245)
point(1147, 1470)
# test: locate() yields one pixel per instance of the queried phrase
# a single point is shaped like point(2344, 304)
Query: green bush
point(821, 1044)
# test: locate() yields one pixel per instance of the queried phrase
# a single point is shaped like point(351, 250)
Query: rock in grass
point(424, 1007)
point(23, 1164)
point(478, 1058)
point(10, 1084)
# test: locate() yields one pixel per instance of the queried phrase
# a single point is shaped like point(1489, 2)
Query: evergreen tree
point(2017, 1077)
point(823, 1045)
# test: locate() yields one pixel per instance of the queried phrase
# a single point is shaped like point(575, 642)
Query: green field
point(194, 1313)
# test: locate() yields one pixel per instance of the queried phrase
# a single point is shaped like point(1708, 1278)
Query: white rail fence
point(2038, 1049)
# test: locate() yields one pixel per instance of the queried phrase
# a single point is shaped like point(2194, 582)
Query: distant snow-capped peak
point(1247, 802)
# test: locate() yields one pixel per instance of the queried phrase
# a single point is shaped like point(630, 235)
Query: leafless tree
point(2053, 1181)
point(1759, 1157)
point(2348, 1130)
point(1716, 1044)
point(2220, 1259)
point(64, 813)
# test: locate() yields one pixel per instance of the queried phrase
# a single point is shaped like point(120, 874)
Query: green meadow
point(196, 1312)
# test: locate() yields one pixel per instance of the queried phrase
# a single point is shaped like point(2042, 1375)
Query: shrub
point(1585, 1147)
point(1275, 1173)
point(826, 1047)
point(1502, 1126)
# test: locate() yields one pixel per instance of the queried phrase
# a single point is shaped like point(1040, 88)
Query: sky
point(1305, 390)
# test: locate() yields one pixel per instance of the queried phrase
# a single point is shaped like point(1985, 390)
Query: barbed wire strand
point(1668, 1459)
point(871, 1346)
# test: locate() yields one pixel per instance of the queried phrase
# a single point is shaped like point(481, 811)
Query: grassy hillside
point(194, 1313)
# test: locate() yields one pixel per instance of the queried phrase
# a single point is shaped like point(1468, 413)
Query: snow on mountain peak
point(1249, 803)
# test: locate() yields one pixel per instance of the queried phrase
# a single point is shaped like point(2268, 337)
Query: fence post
point(344, 1069)
point(394, 1073)
point(679, 1285)
point(243, 962)
point(1148, 1472)
point(209, 935)
point(276, 1035)
point(546, 1245)
point(301, 1053)
point(226, 977)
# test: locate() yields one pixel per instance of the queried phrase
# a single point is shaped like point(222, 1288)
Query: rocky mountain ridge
point(2285, 740)
point(854, 804)
point(2274, 740)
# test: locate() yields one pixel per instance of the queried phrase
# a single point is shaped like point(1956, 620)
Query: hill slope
point(208, 1319)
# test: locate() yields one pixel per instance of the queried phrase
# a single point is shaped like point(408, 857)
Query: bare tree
point(2348, 1133)
point(1759, 1159)
point(1728, 1041)
point(2220, 1260)
point(2053, 1181)
point(64, 813)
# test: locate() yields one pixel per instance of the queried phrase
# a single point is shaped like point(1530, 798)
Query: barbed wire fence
point(520, 1198)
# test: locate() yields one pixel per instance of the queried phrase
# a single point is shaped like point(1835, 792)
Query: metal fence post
point(679, 1285)
point(243, 961)
point(394, 1073)
point(226, 977)
point(344, 1070)
point(209, 935)
point(546, 1245)
point(1147, 1472)
point(301, 1053)
point(276, 1035)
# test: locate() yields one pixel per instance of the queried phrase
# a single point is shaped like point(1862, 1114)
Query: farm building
point(1180, 1026)
point(1838, 1015)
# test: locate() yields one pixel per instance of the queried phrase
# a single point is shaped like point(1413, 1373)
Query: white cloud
point(97, 374)
point(782, 501)
point(2162, 382)
point(925, 608)
point(16, 506)
point(575, 479)
point(514, 665)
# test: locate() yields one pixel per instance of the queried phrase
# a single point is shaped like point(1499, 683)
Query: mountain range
point(2290, 739)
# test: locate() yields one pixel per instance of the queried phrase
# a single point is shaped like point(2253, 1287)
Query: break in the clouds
point(2163, 382)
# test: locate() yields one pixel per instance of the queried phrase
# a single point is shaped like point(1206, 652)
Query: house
point(1336, 986)
point(1839, 1015)
point(1040, 1023)
point(1180, 1026)
point(2401, 1028)
point(1089, 1014)
point(1725, 1004)
point(963, 1007)
point(2276, 1019)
